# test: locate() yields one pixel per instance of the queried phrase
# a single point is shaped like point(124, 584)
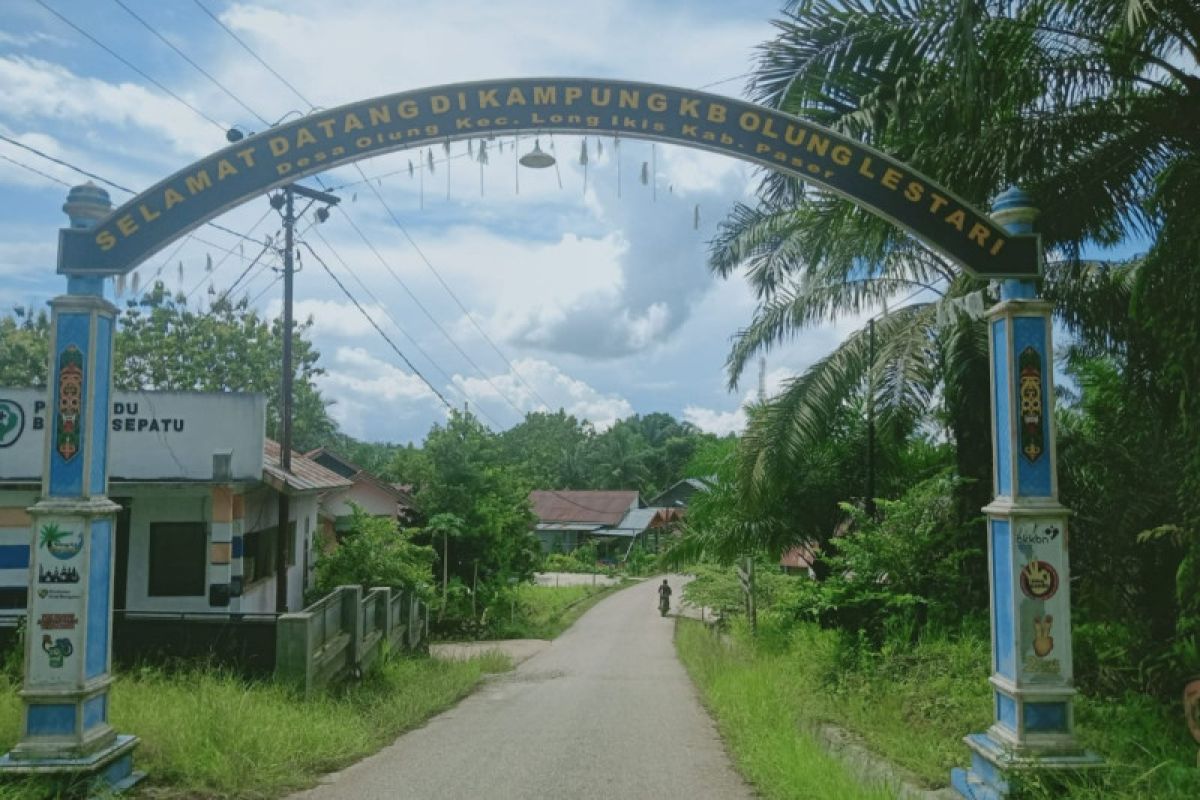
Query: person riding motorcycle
point(664, 598)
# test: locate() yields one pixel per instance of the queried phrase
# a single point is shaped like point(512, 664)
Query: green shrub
point(915, 564)
point(375, 552)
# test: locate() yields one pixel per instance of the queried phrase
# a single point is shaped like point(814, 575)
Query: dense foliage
point(375, 552)
point(163, 344)
point(1081, 104)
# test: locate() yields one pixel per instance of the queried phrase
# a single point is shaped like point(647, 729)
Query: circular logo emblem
point(1039, 580)
point(12, 422)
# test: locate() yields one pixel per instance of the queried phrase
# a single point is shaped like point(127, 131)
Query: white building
point(199, 485)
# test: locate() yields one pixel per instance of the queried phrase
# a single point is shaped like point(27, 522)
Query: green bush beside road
point(911, 701)
point(207, 734)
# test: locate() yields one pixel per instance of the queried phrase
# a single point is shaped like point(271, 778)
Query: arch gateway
point(65, 716)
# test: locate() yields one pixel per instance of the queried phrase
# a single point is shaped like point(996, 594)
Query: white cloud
point(381, 46)
point(536, 379)
point(34, 90)
point(331, 318)
point(718, 422)
point(371, 395)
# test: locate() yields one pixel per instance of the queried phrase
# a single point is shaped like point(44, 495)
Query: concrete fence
point(344, 633)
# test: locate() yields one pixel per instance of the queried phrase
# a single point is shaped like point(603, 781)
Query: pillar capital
point(86, 205)
point(1013, 209)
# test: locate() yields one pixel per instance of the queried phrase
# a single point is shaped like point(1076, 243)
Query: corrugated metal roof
point(604, 508)
point(567, 526)
point(638, 519)
point(306, 475)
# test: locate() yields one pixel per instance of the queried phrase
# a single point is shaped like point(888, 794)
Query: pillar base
point(993, 762)
point(111, 768)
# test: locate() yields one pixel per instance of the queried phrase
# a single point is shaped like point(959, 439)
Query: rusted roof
point(799, 557)
point(340, 465)
point(306, 475)
point(605, 508)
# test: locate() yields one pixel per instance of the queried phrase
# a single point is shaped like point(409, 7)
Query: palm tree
point(979, 95)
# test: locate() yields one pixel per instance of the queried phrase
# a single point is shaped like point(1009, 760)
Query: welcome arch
point(349, 133)
point(65, 717)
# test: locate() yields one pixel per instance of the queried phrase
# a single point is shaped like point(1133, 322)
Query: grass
point(543, 612)
point(757, 715)
point(208, 734)
point(913, 703)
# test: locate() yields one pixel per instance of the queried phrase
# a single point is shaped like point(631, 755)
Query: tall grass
point(208, 734)
point(913, 701)
point(543, 612)
point(758, 716)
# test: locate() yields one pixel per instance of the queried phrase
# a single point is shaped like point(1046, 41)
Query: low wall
point(344, 633)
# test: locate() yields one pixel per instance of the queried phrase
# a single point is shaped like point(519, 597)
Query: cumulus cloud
point(32, 89)
point(331, 318)
point(372, 398)
point(718, 422)
point(536, 380)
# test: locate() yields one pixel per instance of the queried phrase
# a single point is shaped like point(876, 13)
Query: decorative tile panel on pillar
point(68, 647)
point(1029, 575)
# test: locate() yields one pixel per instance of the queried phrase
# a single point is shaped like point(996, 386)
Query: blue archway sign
point(326, 139)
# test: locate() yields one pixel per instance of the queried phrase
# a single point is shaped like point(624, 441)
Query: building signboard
point(56, 602)
point(1042, 601)
point(163, 436)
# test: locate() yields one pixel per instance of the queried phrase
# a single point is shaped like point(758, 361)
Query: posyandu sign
point(373, 127)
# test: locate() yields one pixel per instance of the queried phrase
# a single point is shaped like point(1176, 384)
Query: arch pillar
point(1028, 571)
point(68, 635)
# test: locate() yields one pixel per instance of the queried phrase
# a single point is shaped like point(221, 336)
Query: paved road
point(606, 711)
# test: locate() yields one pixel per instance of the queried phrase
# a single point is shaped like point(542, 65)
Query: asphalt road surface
point(606, 711)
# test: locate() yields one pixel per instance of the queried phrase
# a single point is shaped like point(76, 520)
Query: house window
point(178, 559)
point(258, 552)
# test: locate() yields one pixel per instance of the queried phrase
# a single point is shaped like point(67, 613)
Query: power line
point(372, 247)
point(450, 292)
point(266, 289)
point(186, 58)
point(106, 181)
point(367, 316)
point(229, 252)
point(68, 165)
point(430, 316)
point(129, 64)
point(363, 236)
point(412, 340)
point(35, 171)
point(253, 54)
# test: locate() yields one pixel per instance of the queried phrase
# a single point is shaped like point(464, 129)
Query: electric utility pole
point(283, 534)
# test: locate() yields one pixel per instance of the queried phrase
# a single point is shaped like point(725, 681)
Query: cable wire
point(106, 181)
point(186, 58)
point(35, 171)
point(129, 64)
point(453, 296)
point(400, 328)
point(253, 54)
point(411, 241)
point(430, 316)
point(369, 319)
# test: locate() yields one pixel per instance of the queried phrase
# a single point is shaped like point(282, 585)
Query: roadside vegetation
point(208, 734)
point(543, 612)
point(911, 702)
point(871, 466)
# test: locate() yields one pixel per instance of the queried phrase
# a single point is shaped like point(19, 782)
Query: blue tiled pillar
point(68, 638)
point(1032, 680)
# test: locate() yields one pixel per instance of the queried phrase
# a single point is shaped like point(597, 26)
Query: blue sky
point(600, 301)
